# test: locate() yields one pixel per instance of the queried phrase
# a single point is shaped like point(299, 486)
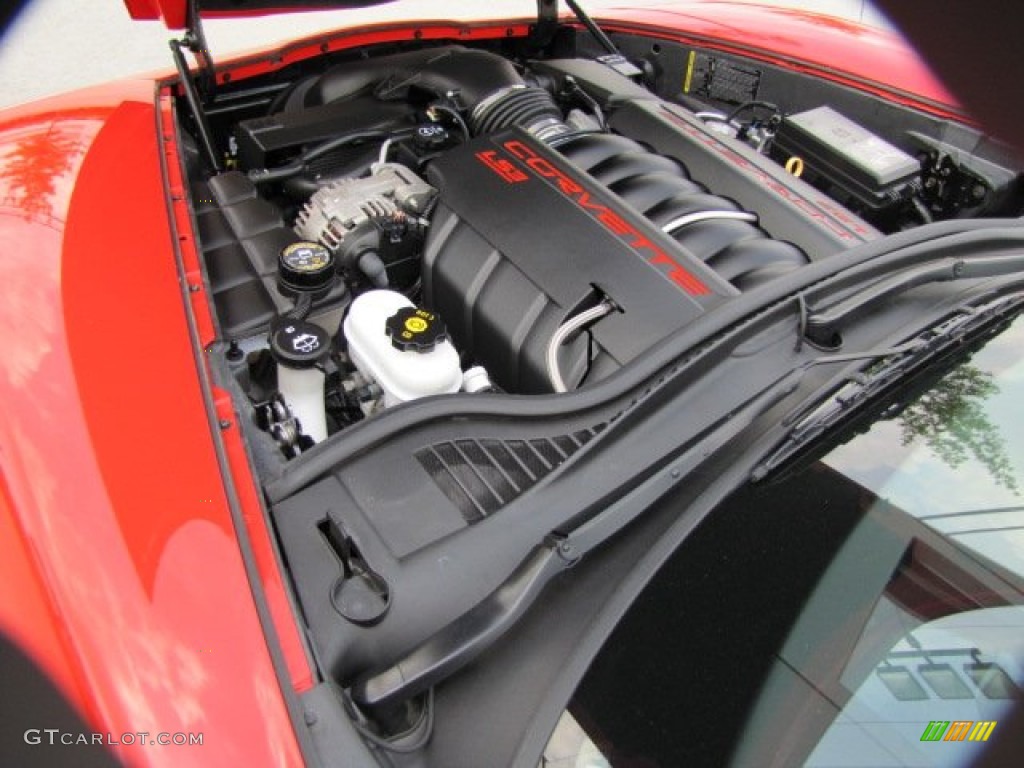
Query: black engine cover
point(522, 239)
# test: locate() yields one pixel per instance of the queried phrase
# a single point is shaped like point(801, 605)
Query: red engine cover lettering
point(609, 219)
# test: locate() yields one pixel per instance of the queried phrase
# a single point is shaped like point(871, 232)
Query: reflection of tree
point(951, 419)
point(34, 166)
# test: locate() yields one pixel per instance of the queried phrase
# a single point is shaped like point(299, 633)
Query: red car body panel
point(174, 13)
point(120, 557)
point(171, 12)
point(126, 582)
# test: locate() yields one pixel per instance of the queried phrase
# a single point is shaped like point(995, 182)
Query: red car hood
point(863, 54)
point(174, 13)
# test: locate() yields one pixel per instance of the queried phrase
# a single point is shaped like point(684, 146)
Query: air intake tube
point(486, 86)
point(529, 107)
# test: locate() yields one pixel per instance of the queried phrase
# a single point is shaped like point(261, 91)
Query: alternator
point(339, 209)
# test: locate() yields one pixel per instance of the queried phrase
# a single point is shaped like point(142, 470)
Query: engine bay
point(478, 298)
point(423, 220)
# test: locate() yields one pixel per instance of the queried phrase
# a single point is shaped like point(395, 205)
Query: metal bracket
point(195, 41)
point(547, 24)
point(195, 105)
point(198, 90)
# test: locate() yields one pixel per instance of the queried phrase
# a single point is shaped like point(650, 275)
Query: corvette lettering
point(608, 218)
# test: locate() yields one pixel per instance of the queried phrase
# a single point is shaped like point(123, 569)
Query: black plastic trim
point(917, 245)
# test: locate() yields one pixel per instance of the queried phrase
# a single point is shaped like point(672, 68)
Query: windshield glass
point(864, 609)
point(952, 459)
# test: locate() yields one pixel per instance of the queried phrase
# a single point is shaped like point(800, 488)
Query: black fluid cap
point(415, 329)
point(430, 136)
point(299, 344)
point(305, 267)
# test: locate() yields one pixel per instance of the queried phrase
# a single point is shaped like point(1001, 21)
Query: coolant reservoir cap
point(298, 344)
point(305, 267)
point(414, 329)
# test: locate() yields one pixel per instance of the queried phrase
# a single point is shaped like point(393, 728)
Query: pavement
point(59, 45)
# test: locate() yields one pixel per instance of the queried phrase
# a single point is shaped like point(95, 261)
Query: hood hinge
point(547, 24)
point(199, 91)
point(195, 41)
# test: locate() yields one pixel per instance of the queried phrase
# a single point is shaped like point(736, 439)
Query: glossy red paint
point(27, 617)
point(238, 473)
point(174, 12)
point(171, 12)
point(119, 525)
point(131, 592)
point(867, 58)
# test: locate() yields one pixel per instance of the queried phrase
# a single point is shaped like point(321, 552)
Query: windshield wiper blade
point(886, 368)
point(823, 324)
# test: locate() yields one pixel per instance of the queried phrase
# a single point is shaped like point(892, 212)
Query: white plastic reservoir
point(427, 364)
point(303, 391)
point(300, 347)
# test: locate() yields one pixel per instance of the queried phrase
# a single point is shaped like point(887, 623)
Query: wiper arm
point(890, 365)
point(822, 325)
point(457, 644)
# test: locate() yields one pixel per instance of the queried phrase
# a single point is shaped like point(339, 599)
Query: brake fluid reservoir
point(403, 348)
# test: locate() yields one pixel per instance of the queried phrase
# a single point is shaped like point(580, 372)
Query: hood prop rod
point(547, 25)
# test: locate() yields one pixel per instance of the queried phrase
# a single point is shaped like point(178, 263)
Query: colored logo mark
point(958, 730)
point(416, 325)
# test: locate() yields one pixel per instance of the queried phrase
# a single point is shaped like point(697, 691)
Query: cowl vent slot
point(480, 476)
